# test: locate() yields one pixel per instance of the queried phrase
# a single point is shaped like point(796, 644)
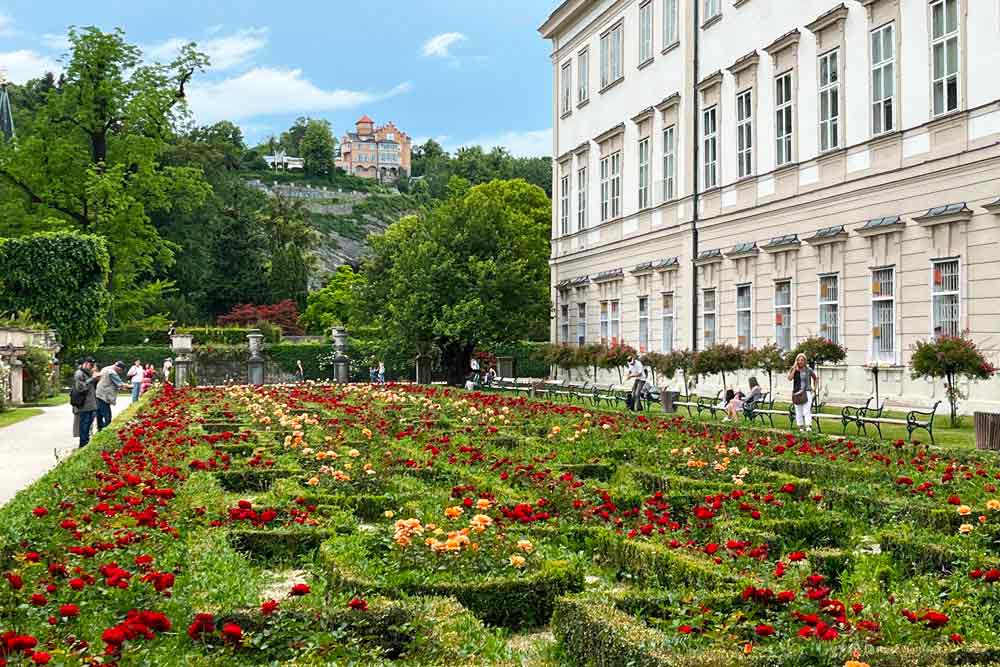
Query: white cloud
point(439, 45)
point(23, 65)
point(225, 52)
point(529, 143)
point(271, 90)
point(6, 24)
point(56, 42)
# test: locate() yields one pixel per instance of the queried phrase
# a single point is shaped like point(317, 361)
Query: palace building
point(762, 171)
point(375, 152)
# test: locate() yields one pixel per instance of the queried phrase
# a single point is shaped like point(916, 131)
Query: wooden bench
point(761, 409)
point(915, 420)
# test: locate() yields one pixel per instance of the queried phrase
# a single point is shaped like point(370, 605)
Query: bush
point(38, 383)
point(230, 335)
point(312, 356)
point(818, 350)
point(720, 359)
point(952, 358)
point(284, 314)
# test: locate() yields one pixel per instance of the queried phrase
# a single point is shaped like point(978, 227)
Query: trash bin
point(667, 399)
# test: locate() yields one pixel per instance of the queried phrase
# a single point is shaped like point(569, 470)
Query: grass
point(62, 398)
point(11, 417)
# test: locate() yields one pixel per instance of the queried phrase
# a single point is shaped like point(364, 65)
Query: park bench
point(687, 402)
point(612, 395)
point(713, 405)
point(856, 414)
point(548, 388)
point(915, 420)
point(762, 409)
point(570, 390)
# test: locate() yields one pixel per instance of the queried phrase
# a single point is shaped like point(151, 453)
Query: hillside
point(344, 219)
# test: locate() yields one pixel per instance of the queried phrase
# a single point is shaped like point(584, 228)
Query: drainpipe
point(695, 191)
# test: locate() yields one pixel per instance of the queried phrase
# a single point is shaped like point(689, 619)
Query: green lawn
point(61, 398)
point(16, 415)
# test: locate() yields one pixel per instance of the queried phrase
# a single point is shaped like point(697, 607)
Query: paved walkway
point(28, 449)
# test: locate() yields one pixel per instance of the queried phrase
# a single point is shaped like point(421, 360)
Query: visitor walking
point(805, 383)
point(147, 378)
point(107, 392)
point(83, 398)
point(381, 372)
point(301, 371)
point(168, 364)
point(135, 376)
point(637, 372)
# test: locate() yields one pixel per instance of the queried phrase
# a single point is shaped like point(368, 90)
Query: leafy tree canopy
point(436, 167)
point(951, 358)
point(333, 304)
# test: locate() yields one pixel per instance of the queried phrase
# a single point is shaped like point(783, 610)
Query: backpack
point(77, 398)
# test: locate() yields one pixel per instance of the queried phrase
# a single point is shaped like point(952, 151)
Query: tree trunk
point(953, 399)
point(456, 358)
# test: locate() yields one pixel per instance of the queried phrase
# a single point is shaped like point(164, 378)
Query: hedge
point(128, 336)
point(528, 358)
point(283, 546)
point(657, 563)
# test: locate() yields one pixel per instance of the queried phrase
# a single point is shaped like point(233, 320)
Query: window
point(643, 324)
point(604, 323)
point(884, 79)
point(644, 199)
point(583, 77)
point(581, 324)
point(783, 314)
point(829, 308)
point(744, 133)
point(564, 204)
point(944, 56)
point(669, 163)
point(744, 314)
point(711, 146)
point(611, 55)
point(883, 316)
point(611, 186)
point(829, 100)
point(616, 323)
point(391, 136)
point(669, 22)
point(708, 303)
point(581, 199)
point(646, 32)
point(668, 322)
point(946, 298)
point(711, 8)
point(564, 325)
point(566, 86)
point(783, 120)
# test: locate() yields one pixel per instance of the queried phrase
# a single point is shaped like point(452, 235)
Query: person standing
point(636, 371)
point(147, 378)
point(381, 372)
point(168, 363)
point(135, 376)
point(84, 399)
point(107, 392)
point(805, 382)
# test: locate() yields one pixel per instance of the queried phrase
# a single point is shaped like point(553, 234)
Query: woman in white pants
point(805, 383)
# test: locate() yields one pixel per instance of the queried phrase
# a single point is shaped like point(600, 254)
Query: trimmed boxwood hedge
point(513, 602)
point(282, 546)
point(653, 562)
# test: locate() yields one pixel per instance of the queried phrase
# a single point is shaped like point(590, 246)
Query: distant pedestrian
point(135, 376)
point(83, 398)
point(805, 383)
point(381, 372)
point(637, 372)
point(490, 377)
point(301, 371)
point(168, 364)
point(107, 392)
point(148, 376)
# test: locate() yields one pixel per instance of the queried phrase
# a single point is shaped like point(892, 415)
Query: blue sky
point(461, 71)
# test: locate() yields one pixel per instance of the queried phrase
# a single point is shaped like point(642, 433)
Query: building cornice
point(885, 225)
point(788, 40)
point(642, 269)
point(708, 257)
point(645, 114)
point(608, 276)
point(743, 250)
point(834, 234)
point(609, 133)
point(713, 79)
point(993, 207)
point(829, 19)
point(668, 102)
point(942, 215)
point(669, 264)
point(582, 148)
point(562, 14)
point(744, 63)
point(783, 243)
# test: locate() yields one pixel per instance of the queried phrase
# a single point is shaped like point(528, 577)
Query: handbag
point(799, 398)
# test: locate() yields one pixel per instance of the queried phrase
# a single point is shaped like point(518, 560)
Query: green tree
point(61, 279)
point(289, 242)
point(334, 304)
point(291, 139)
point(472, 271)
point(317, 146)
point(720, 359)
point(91, 159)
point(769, 359)
point(953, 358)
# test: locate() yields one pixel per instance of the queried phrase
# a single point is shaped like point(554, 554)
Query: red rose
point(685, 629)
point(38, 600)
point(69, 610)
point(764, 630)
point(77, 584)
point(300, 589)
point(956, 638)
point(15, 581)
point(796, 556)
point(40, 512)
point(269, 607)
point(202, 624)
point(934, 619)
point(232, 633)
point(358, 604)
point(41, 658)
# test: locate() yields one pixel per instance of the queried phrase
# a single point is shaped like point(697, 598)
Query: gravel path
point(30, 448)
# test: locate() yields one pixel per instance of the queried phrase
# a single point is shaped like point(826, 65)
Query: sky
point(463, 72)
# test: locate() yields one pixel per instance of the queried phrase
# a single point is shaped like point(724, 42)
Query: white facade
point(800, 137)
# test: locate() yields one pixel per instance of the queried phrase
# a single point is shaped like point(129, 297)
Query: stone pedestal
point(423, 369)
point(341, 362)
point(182, 367)
point(16, 381)
point(255, 365)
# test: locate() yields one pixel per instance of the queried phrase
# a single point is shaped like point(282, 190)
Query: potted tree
point(719, 359)
point(952, 358)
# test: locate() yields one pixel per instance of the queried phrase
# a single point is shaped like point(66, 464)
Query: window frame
point(616, 184)
point(669, 182)
point(615, 309)
point(829, 128)
point(824, 300)
point(643, 318)
point(705, 313)
point(877, 71)
point(605, 181)
point(667, 330)
point(645, 171)
point(744, 133)
point(646, 18)
point(712, 9)
point(746, 310)
point(564, 324)
point(583, 76)
point(581, 323)
point(582, 183)
point(784, 143)
point(564, 204)
point(612, 55)
point(781, 310)
point(671, 22)
point(880, 298)
point(935, 294)
point(943, 40)
point(710, 137)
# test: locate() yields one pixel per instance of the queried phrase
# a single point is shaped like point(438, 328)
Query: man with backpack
point(83, 398)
